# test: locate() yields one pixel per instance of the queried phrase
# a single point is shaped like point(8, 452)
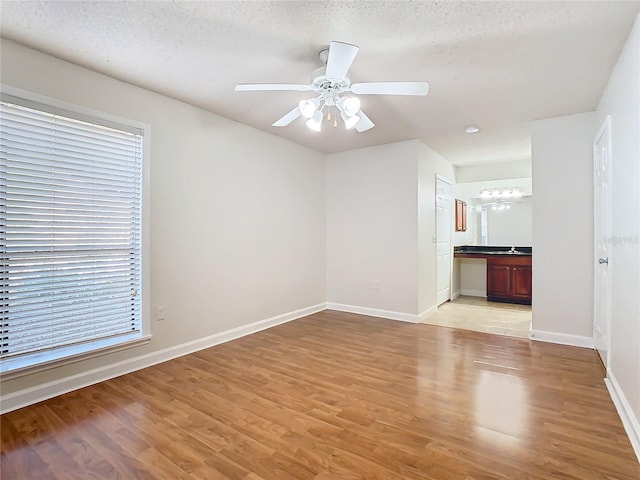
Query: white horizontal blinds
point(70, 217)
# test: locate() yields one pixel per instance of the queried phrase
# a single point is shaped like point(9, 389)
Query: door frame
point(605, 129)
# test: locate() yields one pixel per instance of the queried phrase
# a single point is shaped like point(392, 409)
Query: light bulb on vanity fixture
point(497, 193)
point(499, 206)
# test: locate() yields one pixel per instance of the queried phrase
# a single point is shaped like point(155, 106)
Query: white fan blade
point(288, 118)
point(340, 58)
point(391, 88)
point(252, 87)
point(364, 123)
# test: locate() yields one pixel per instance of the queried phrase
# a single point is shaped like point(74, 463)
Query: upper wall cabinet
point(461, 216)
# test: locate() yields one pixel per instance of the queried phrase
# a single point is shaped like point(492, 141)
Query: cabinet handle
point(514, 269)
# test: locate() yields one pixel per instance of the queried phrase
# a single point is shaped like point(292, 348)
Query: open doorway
point(491, 261)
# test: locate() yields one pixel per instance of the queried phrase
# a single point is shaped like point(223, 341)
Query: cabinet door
point(521, 282)
point(498, 281)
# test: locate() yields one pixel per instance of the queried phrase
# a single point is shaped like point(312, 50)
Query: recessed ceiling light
point(472, 129)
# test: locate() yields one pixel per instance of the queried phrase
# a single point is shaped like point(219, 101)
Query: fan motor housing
point(328, 86)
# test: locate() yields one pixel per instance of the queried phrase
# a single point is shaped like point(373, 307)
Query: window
point(71, 234)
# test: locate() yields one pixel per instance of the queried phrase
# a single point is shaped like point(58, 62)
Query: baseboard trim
point(427, 313)
point(561, 338)
point(474, 293)
point(374, 312)
point(38, 393)
point(629, 420)
point(455, 294)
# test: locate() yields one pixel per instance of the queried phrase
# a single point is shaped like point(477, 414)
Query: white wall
point(372, 249)
point(621, 100)
point(430, 164)
point(237, 215)
point(380, 227)
point(493, 171)
point(473, 276)
point(563, 225)
point(511, 227)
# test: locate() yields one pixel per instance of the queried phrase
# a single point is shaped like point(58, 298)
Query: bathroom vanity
point(508, 277)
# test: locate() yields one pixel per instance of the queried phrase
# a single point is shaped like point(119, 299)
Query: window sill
point(37, 362)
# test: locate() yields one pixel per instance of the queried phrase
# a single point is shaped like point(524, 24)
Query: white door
point(602, 236)
point(443, 239)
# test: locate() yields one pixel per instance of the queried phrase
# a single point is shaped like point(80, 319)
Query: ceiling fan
point(330, 83)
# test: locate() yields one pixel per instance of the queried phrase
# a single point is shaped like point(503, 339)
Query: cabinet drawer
point(510, 261)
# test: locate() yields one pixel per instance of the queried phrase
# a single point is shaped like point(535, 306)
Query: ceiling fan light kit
point(329, 83)
point(308, 107)
point(315, 122)
point(349, 105)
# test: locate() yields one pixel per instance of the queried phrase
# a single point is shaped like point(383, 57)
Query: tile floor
point(476, 313)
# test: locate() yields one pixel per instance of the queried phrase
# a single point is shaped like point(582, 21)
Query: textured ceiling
point(495, 64)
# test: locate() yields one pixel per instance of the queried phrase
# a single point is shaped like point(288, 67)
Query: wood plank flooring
point(336, 396)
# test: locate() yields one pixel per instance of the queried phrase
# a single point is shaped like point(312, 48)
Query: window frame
point(47, 359)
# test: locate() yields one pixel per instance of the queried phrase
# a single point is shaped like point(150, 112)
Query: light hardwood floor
point(480, 315)
point(336, 396)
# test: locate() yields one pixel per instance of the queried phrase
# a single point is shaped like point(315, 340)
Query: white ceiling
point(495, 64)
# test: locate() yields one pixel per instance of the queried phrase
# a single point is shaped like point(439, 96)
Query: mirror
point(498, 219)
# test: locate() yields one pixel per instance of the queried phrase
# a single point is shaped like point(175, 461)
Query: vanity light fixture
point(497, 193)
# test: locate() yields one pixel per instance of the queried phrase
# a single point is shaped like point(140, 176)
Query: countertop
point(486, 251)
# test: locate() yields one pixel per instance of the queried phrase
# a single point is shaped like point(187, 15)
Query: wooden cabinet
point(509, 279)
point(461, 216)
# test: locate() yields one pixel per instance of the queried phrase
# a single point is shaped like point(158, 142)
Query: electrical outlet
point(160, 313)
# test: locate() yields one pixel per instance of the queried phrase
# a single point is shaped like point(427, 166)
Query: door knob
point(603, 260)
